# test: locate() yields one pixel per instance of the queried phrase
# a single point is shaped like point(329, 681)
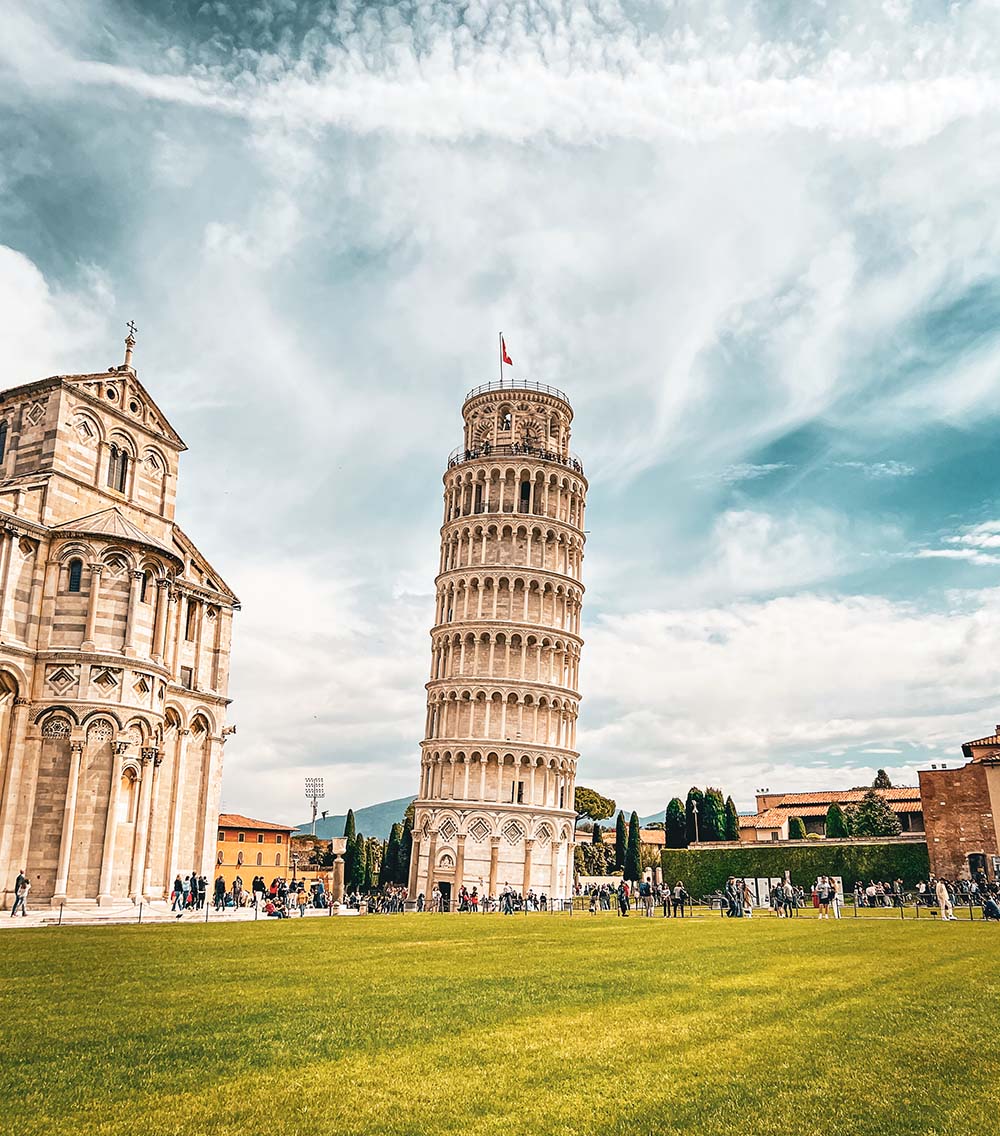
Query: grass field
point(461, 1024)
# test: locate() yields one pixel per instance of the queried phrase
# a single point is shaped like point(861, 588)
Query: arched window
point(144, 588)
point(75, 574)
point(525, 495)
point(118, 468)
point(504, 419)
point(277, 860)
point(3, 440)
point(260, 859)
point(189, 623)
point(126, 798)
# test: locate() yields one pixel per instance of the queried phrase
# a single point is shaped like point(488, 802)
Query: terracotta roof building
point(775, 810)
point(248, 848)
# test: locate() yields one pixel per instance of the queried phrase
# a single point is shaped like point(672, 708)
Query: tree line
point(371, 864)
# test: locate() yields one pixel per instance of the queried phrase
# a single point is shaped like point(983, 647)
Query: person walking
point(836, 899)
point(680, 897)
point(623, 896)
point(302, 899)
point(822, 892)
point(944, 901)
point(21, 888)
point(788, 899)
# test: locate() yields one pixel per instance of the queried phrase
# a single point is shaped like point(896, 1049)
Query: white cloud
point(755, 693)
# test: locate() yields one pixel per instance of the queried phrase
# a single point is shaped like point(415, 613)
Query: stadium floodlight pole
point(694, 810)
point(314, 793)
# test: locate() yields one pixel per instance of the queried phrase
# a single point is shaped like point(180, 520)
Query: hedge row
point(706, 870)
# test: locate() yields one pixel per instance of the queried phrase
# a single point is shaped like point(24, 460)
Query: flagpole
point(500, 349)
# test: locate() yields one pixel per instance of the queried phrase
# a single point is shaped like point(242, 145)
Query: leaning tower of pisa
point(498, 764)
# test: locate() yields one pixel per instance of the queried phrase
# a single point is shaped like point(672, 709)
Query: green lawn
point(428, 1024)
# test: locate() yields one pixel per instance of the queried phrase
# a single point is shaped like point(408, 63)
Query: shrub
point(706, 870)
point(796, 828)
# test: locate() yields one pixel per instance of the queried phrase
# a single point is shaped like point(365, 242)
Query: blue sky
point(758, 244)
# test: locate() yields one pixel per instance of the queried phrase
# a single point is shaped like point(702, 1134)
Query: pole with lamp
point(314, 792)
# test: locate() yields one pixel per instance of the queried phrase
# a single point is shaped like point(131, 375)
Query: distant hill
point(375, 820)
point(653, 818)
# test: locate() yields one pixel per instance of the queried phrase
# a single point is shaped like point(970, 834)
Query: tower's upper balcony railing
point(516, 385)
point(515, 449)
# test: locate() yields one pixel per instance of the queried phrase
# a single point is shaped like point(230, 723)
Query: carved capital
point(183, 731)
point(137, 574)
point(96, 569)
point(22, 701)
point(121, 747)
point(76, 747)
point(148, 754)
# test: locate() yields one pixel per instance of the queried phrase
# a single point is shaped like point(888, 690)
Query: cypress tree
point(712, 823)
point(388, 872)
point(405, 852)
point(354, 864)
point(349, 827)
point(796, 828)
point(732, 820)
point(836, 822)
point(695, 797)
point(596, 837)
point(673, 823)
point(620, 842)
point(873, 817)
point(633, 851)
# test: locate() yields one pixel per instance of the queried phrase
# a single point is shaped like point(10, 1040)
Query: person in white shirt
point(944, 900)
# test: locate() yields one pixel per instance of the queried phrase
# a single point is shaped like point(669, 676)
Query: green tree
point(674, 825)
point(589, 803)
point(354, 863)
point(695, 797)
point(388, 873)
point(881, 780)
point(405, 854)
point(836, 823)
point(873, 817)
point(713, 816)
point(732, 820)
point(597, 836)
point(349, 826)
point(796, 828)
point(633, 851)
point(620, 842)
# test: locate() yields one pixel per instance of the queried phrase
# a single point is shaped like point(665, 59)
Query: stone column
point(208, 806)
point(160, 629)
point(217, 649)
point(460, 863)
point(173, 832)
point(46, 614)
point(554, 868)
point(147, 874)
point(177, 598)
point(431, 853)
point(69, 819)
point(6, 598)
point(529, 845)
point(141, 826)
point(133, 601)
point(104, 897)
point(16, 784)
point(411, 891)
point(337, 886)
point(494, 857)
point(93, 601)
point(198, 638)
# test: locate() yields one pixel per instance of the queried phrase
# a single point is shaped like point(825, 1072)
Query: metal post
point(59, 924)
point(902, 909)
point(140, 912)
point(206, 908)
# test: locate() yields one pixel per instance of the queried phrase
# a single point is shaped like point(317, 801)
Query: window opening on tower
point(525, 495)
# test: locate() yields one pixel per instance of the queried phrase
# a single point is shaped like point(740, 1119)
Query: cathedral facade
point(495, 804)
point(114, 648)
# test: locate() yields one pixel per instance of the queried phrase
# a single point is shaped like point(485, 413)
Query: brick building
point(961, 811)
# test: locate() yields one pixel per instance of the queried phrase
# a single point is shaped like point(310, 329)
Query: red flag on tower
point(503, 353)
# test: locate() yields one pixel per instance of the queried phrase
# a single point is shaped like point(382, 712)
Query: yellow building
point(249, 848)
